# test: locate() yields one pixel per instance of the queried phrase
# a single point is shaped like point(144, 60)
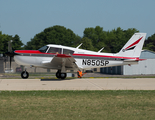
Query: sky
point(27, 18)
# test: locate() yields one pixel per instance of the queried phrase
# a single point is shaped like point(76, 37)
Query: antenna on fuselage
point(79, 46)
point(100, 50)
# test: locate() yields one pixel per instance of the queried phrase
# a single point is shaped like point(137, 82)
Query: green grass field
point(77, 105)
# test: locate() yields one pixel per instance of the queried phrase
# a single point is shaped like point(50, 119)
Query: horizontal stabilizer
point(132, 60)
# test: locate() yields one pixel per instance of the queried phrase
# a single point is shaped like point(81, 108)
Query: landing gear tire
point(60, 75)
point(63, 75)
point(24, 74)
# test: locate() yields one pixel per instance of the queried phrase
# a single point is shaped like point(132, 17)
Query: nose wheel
point(24, 74)
point(60, 75)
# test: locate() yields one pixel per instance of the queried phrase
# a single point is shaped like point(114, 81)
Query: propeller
point(10, 53)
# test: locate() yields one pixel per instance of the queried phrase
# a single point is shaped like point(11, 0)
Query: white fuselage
point(85, 59)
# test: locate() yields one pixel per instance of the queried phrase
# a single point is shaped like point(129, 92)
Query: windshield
point(43, 49)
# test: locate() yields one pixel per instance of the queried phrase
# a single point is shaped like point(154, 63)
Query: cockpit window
point(68, 52)
point(43, 49)
point(55, 50)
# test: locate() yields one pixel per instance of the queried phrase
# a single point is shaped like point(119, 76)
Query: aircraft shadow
point(56, 79)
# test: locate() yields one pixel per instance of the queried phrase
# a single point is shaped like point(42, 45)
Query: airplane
point(63, 58)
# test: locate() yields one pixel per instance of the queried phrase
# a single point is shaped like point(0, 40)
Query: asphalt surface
point(78, 84)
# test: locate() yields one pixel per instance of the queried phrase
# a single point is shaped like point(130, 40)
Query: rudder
point(134, 46)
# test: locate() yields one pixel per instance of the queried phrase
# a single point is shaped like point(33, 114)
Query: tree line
point(4, 39)
point(93, 39)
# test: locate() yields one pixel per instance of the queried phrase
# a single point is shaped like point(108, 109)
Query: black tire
point(58, 74)
point(63, 75)
point(24, 74)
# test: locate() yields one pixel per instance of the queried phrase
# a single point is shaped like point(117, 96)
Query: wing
point(61, 61)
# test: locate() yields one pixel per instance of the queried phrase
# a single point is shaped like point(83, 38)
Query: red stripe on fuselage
point(90, 55)
point(64, 55)
point(38, 52)
point(30, 52)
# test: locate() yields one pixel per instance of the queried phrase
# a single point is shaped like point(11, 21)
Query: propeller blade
point(10, 46)
point(11, 54)
point(10, 62)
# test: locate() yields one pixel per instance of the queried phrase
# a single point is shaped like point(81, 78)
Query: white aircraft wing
point(61, 61)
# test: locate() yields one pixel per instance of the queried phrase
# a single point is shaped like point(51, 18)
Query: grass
point(75, 105)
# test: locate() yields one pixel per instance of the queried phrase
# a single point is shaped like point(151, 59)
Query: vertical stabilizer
point(134, 46)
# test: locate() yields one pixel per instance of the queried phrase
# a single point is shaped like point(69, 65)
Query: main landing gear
point(25, 74)
point(61, 75)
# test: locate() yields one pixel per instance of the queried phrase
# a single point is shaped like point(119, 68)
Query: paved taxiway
point(78, 84)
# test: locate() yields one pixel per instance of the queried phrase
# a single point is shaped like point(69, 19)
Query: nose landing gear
point(25, 74)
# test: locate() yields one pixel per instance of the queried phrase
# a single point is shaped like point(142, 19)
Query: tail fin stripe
point(131, 48)
point(136, 42)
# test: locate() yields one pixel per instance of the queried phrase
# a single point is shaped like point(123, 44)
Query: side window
point(54, 50)
point(68, 52)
